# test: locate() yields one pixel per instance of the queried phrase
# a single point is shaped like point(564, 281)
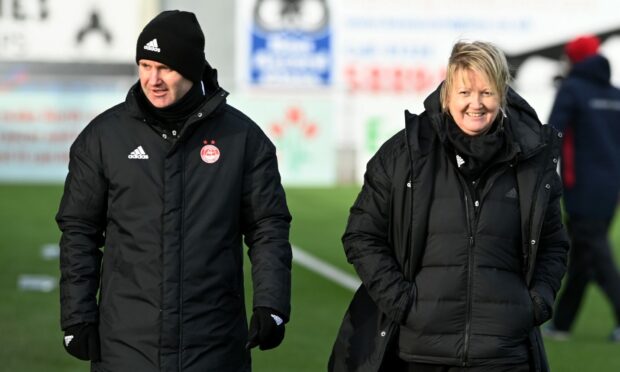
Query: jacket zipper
point(477, 205)
point(470, 261)
point(181, 259)
point(470, 273)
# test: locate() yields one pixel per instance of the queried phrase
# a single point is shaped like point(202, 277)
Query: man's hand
point(82, 341)
point(266, 329)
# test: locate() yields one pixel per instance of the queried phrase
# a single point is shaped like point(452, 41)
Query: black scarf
point(175, 115)
point(474, 154)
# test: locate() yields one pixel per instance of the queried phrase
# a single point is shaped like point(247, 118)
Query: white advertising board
point(300, 127)
point(394, 52)
point(37, 129)
point(68, 30)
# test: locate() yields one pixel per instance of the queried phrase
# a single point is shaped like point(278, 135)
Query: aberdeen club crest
point(209, 153)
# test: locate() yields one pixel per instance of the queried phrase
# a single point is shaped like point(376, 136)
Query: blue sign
point(291, 44)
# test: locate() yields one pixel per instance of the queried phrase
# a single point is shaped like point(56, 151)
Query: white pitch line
point(321, 267)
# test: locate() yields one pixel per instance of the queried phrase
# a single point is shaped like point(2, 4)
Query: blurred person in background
point(587, 111)
point(170, 182)
point(457, 233)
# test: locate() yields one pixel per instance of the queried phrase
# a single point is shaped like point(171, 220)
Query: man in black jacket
point(171, 182)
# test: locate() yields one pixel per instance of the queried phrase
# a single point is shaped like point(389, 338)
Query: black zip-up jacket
point(172, 216)
point(387, 232)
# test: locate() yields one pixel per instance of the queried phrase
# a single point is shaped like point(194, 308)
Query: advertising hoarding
point(69, 31)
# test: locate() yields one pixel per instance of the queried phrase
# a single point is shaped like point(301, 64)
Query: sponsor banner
point(301, 128)
point(37, 129)
point(69, 31)
point(400, 46)
point(390, 55)
point(285, 43)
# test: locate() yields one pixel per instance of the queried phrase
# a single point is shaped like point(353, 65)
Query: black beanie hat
point(175, 39)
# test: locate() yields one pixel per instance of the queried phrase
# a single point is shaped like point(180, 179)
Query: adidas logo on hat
point(182, 43)
point(152, 46)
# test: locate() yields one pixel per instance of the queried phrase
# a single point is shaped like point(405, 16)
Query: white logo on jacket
point(138, 153)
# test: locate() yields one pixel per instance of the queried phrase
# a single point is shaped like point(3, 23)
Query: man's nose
point(154, 77)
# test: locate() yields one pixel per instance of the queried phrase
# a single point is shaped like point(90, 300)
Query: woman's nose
point(477, 100)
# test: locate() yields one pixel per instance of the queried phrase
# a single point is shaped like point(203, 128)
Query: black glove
point(266, 329)
point(542, 312)
point(82, 341)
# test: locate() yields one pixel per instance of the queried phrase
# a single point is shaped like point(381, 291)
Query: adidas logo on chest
point(138, 153)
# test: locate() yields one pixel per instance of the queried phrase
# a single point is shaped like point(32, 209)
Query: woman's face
point(473, 102)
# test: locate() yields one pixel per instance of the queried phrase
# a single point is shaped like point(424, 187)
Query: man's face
point(162, 85)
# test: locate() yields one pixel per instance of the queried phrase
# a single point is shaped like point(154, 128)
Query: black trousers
point(590, 259)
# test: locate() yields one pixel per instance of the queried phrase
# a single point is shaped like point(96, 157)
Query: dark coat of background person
point(587, 110)
point(172, 292)
point(402, 175)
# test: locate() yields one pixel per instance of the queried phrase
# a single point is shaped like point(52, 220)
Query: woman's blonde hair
point(482, 57)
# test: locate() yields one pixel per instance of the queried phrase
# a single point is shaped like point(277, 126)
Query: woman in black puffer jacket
point(457, 232)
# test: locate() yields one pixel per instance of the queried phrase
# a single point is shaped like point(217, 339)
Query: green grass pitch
point(30, 338)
